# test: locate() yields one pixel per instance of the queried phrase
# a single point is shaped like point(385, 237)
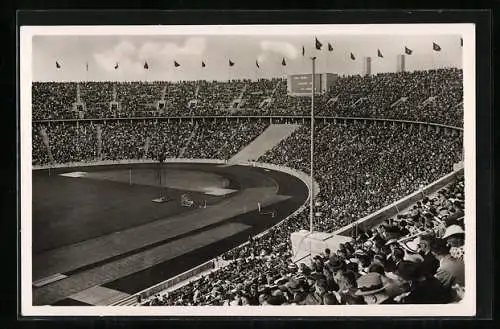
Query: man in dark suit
point(451, 271)
point(424, 289)
point(431, 263)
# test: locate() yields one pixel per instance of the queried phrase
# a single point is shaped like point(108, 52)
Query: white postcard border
point(467, 307)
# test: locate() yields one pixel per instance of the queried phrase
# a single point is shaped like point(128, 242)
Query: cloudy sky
point(74, 52)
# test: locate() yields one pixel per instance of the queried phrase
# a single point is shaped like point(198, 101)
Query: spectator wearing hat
point(393, 287)
point(451, 271)
point(315, 297)
point(317, 264)
point(422, 288)
point(348, 288)
point(372, 289)
point(403, 227)
point(327, 253)
point(411, 251)
point(455, 237)
point(363, 259)
point(342, 253)
point(330, 281)
point(304, 269)
point(336, 266)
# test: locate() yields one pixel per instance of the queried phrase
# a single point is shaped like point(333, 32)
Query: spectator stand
point(306, 245)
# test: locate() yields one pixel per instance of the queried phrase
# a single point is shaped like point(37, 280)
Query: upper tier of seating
point(428, 96)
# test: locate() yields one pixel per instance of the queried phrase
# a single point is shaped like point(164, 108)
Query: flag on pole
point(231, 63)
point(379, 53)
point(318, 44)
point(283, 62)
point(303, 51)
point(203, 64)
point(352, 57)
point(436, 47)
point(58, 65)
point(146, 66)
point(257, 63)
point(116, 65)
point(408, 51)
point(330, 47)
point(176, 64)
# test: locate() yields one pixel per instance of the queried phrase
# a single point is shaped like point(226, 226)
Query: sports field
point(98, 237)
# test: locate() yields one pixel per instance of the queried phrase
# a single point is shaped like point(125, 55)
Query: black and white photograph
point(312, 170)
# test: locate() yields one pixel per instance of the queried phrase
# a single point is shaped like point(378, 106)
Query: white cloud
point(124, 53)
point(192, 46)
point(262, 57)
point(125, 48)
point(280, 47)
point(132, 57)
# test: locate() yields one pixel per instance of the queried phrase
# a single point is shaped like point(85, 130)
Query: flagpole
point(311, 201)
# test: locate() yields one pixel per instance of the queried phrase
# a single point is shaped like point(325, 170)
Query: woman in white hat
point(455, 238)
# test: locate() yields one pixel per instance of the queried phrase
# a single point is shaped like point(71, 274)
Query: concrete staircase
point(271, 137)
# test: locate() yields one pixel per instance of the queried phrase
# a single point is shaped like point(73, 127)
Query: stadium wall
point(270, 118)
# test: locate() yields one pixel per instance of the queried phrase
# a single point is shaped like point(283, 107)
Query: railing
point(162, 286)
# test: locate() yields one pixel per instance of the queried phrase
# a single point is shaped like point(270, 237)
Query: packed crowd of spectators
point(293, 152)
point(214, 140)
point(124, 139)
point(427, 96)
point(361, 168)
point(51, 100)
point(68, 142)
point(416, 257)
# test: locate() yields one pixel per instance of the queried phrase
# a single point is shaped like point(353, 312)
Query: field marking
point(49, 279)
point(217, 191)
point(99, 296)
point(75, 174)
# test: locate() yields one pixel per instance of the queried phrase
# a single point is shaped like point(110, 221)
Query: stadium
point(200, 192)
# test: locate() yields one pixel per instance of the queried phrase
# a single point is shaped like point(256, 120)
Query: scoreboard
point(301, 84)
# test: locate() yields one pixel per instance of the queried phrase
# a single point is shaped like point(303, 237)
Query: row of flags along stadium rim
point(317, 44)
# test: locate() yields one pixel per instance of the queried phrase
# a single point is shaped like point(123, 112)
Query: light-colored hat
point(369, 284)
point(452, 230)
point(411, 245)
